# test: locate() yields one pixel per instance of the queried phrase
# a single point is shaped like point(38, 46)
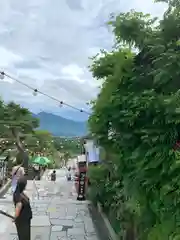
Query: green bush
point(136, 116)
point(104, 191)
point(97, 178)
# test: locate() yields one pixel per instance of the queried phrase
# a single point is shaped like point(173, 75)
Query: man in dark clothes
point(53, 176)
point(23, 212)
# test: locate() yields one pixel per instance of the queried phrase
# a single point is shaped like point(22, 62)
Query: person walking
point(17, 172)
point(53, 176)
point(23, 211)
point(69, 174)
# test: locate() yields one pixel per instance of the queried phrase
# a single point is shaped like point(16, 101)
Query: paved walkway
point(56, 213)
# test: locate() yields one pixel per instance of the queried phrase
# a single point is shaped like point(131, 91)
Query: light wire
point(35, 90)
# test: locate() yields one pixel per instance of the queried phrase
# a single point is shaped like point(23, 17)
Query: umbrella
point(41, 161)
point(47, 160)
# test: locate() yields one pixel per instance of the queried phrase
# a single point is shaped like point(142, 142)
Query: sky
point(47, 44)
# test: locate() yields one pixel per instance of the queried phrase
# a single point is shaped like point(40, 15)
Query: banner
point(82, 181)
point(82, 186)
point(97, 154)
point(92, 151)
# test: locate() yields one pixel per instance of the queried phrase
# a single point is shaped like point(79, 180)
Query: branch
point(20, 148)
point(15, 134)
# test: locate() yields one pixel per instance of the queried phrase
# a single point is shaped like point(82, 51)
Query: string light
point(2, 75)
point(61, 104)
point(36, 91)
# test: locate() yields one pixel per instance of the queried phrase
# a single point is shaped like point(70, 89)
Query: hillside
point(60, 126)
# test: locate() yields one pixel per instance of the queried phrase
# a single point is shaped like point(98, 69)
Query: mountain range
point(60, 126)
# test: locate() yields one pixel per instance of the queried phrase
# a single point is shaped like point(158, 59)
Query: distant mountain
point(74, 115)
point(60, 126)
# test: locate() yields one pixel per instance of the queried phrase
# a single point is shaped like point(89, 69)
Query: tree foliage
point(16, 121)
point(18, 128)
point(72, 146)
point(40, 141)
point(137, 117)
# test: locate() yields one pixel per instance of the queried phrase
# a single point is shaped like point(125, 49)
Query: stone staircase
point(56, 213)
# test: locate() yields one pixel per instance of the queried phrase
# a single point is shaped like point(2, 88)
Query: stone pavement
point(56, 213)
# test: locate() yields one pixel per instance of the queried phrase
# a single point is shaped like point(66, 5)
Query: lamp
point(35, 92)
point(2, 75)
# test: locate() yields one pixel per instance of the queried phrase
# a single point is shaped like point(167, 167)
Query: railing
point(3, 171)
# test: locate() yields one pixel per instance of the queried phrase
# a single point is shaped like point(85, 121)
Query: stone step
point(56, 212)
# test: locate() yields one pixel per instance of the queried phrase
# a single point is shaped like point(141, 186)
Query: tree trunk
point(20, 148)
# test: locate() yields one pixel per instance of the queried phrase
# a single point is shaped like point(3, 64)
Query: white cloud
point(73, 71)
point(47, 44)
point(7, 57)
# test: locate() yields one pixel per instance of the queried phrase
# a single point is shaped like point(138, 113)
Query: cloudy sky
point(46, 44)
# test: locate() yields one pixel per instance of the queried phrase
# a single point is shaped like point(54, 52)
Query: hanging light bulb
point(35, 92)
point(61, 104)
point(1, 75)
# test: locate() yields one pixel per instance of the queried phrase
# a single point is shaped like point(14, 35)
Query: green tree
point(137, 117)
point(66, 157)
point(44, 140)
point(15, 122)
point(67, 145)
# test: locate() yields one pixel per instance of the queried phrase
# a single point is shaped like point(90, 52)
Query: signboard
point(82, 182)
point(82, 186)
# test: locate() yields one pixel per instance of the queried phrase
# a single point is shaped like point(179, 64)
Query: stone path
point(56, 213)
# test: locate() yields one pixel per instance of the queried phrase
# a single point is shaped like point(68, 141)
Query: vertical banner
point(82, 182)
point(92, 151)
point(97, 154)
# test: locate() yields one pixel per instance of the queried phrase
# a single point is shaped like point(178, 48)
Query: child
point(53, 176)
